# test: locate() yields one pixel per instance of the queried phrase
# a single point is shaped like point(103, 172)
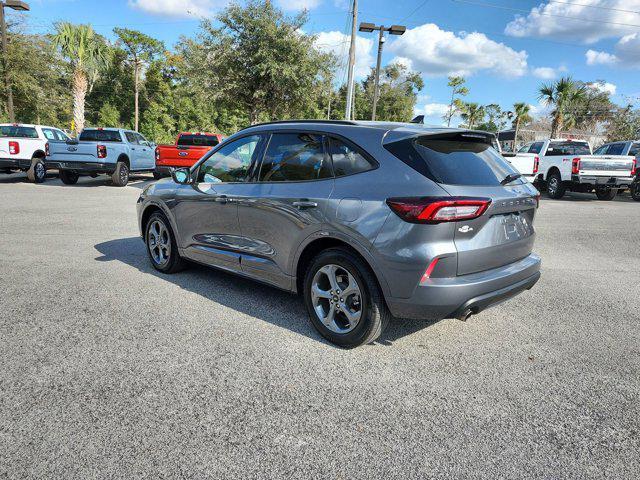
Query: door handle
point(301, 204)
point(223, 199)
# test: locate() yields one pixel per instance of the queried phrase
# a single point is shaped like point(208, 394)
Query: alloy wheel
point(336, 298)
point(39, 170)
point(159, 242)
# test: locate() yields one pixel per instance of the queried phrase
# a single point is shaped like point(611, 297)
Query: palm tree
point(88, 54)
point(521, 111)
point(561, 95)
point(471, 113)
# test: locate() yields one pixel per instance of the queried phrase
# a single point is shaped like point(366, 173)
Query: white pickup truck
point(111, 151)
point(23, 147)
point(565, 164)
point(623, 149)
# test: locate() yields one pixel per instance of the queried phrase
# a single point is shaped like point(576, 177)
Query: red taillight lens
point(47, 151)
point(436, 210)
point(157, 154)
point(14, 148)
point(102, 151)
point(536, 164)
point(575, 166)
point(429, 270)
point(634, 167)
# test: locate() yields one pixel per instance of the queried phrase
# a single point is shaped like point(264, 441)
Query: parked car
point(365, 219)
point(23, 147)
point(624, 149)
point(111, 151)
point(565, 164)
point(187, 150)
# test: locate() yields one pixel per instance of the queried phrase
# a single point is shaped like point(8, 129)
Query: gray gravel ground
point(110, 370)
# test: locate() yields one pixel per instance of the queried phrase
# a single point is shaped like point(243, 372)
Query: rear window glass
point(635, 149)
point(567, 148)
point(453, 160)
point(100, 136)
point(198, 140)
point(615, 149)
point(18, 132)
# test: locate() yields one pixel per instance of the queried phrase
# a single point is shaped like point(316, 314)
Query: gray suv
point(365, 219)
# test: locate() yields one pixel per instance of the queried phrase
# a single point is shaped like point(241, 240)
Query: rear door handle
point(304, 204)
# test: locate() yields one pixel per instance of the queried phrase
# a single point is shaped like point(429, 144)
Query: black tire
point(635, 191)
point(174, 262)
point(374, 312)
point(555, 187)
point(68, 177)
point(37, 173)
point(606, 194)
point(120, 176)
point(157, 175)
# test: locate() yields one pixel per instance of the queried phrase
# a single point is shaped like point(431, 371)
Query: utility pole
point(393, 30)
point(15, 5)
point(352, 61)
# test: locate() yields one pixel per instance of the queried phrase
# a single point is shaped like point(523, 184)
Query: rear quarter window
point(635, 149)
point(453, 160)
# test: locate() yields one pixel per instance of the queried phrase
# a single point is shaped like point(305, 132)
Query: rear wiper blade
point(510, 178)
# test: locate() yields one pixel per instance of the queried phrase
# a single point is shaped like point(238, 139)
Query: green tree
point(108, 115)
point(624, 124)
point(258, 59)
point(471, 113)
point(592, 108)
point(399, 89)
point(521, 117)
point(141, 50)
point(87, 53)
point(562, 95)
point(458, 88)
point(494, 118)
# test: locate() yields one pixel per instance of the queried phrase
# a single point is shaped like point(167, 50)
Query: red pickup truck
point(188, 149)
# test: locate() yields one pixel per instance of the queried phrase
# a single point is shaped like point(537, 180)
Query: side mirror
point(181, 176)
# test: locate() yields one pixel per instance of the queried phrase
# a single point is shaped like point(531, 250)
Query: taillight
point(157, 154)
point(634, 167)
point(536, 164)
point(47, 152)
point(429, 270)
point(438, 209)
point(102, 151)
point(14, 148)
point(575, 166)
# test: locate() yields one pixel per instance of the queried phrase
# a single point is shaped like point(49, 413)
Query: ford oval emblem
point(72, 149)
point(183, 154)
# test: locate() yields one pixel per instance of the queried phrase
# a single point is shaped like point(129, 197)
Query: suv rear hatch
point(465, 165)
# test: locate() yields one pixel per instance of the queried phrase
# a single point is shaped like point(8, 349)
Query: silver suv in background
point(365, 219)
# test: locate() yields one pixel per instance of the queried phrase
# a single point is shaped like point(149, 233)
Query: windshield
point(454, 160)
point(13, 131)
point(198, 140)
point(100, 136)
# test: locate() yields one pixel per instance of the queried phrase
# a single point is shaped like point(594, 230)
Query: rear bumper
point(81, 167)
point(600, 180)
point(164, 170)
point(450, 297)
point(15, 163)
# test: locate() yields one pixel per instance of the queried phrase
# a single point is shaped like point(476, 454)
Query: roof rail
point(279, 122)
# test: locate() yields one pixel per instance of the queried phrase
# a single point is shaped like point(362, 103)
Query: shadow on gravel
point(137, 181)
point(275, 306)
point(587, 197)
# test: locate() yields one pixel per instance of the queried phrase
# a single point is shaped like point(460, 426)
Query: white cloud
point(338, 44)
point(600, 58)
point(539, 110)
point(437, 52)
point(299, 4)
point(545, 73)
point(404, 61)
point(586, 21)
point(433, 113)
point(177, 8)
point(604, 87)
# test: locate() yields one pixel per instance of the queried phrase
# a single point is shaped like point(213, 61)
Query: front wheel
point(635, 191)
point(68, 177)
point(120, 176)
point(606, 193)
point(37, 172)
point(555, 187)
point(161, 245)
point(343, 299)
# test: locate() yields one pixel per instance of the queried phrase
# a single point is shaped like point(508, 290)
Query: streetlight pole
point(352, 60)
point(15, 5)
point(393, 30)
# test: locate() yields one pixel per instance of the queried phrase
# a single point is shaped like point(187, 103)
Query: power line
point(595, 6)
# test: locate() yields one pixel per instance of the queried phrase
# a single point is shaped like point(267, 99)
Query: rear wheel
point(120, 176)
point(343, 299)
point(68, 177)
point(161, 245)
point(37, 172)
point(157, 175)
point(555, 187)
point(635, 191)
point(606, 193)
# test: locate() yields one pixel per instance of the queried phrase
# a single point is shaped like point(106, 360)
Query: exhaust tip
point(464, 316)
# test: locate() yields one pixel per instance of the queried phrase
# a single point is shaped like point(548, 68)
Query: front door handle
point(304, 204)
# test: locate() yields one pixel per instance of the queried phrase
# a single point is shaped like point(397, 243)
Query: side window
point(347, 160)
point(525, 148)
point(615, 149)
point(49, 134)
point(536, 147)
point(231, 163)
point(295, 157)
point(131, 137)
point(601, 150)
point(635, 149)
point(60, 135)
point(141, 140)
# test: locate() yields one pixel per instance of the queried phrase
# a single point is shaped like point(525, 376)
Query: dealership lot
point(111, 369)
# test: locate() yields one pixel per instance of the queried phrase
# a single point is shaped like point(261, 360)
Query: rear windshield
point(100, 136)
point(18, 132)
point(198, 140)
point(568, 148)
point(453, 159)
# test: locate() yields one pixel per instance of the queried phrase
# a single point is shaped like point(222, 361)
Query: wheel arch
point(125, 158)
point(553, 169)
point(149, 209)
point(39, 154)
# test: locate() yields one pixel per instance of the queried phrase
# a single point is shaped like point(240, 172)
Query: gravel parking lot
point(109, 369)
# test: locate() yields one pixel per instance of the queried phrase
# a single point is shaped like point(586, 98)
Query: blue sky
point(505, 48)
